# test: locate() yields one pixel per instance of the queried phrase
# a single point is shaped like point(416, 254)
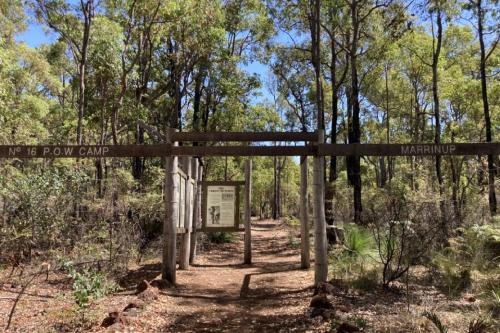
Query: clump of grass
point(479, 325)
point(366, 281)
point(434, 318)
point(454, 278)
point(354, 259)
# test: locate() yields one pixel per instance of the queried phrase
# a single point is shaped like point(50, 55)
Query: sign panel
point(221, 206)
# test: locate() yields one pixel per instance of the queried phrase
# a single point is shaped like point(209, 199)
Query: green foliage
point(291, 221)
point(355, 254)
point(454, 277)
point(358, 241)
point(481, 245)
point(89, 285)
point(221, 237)
point(293, 242)
point(491, 296)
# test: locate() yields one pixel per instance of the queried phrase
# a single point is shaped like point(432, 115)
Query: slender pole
point(320, 246)
point(188, 214)
point(196, 208)
point(304, 216)
point(248, 212)
point(171, 217)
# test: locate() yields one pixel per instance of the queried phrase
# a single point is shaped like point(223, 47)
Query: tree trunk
point(437, 118)
point(320, 246)
point(87, 14)
point(354, 126)
point(486, 107)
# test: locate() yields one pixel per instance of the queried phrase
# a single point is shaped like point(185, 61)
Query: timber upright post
point(320, 246)
point(171, 215)
point(186, 236)
point(248, 212)
point(304, 217)
point(196, 209)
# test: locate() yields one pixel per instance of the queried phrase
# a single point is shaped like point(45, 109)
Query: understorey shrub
point(291, 221)
point(221, 237)
point(453, 276)
point(293, 242)
point(480, 245)
point(404, 232)
point(89, 284)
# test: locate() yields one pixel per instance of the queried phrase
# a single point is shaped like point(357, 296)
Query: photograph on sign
point(220, 206)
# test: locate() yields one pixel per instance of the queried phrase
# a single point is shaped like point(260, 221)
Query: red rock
point(137, 304)
point(143, 285)
point(161, 284)
point(347, 328)
point(321, 301)
point(148, 295)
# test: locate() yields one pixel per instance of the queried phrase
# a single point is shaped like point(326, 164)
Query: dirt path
point(219, 294)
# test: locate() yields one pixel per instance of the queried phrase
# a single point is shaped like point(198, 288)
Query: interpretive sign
point(221, 205)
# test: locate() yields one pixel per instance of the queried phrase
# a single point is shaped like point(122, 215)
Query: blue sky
point(35, 36)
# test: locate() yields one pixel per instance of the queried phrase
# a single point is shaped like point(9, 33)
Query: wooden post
point(320, 245)
point(186, 237)
point(196, 208)
point(304, 217)
point(171, 217)
point(248, 212)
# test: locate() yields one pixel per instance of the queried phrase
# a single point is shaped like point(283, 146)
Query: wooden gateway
point(220, 210)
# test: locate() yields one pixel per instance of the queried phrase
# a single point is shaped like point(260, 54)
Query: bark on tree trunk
point(87, 15)
point(320, 246)
point(437, 118)
point(486, 107)
point(354, 126)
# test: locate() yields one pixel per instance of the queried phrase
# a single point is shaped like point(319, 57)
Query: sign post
point(171, 218)
point(248, 212)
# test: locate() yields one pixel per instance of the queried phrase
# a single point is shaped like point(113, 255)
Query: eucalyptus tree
point(388, 19)
point(66, 20)
point(487, 24)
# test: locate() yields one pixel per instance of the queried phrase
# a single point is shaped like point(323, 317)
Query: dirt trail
point(219, 294)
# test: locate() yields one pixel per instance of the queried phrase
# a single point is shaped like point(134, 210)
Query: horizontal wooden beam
point(425, 149)
point(93, 151)
point(243, 136)
point(69, 151)
point(222, 182)
point(243, 151)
